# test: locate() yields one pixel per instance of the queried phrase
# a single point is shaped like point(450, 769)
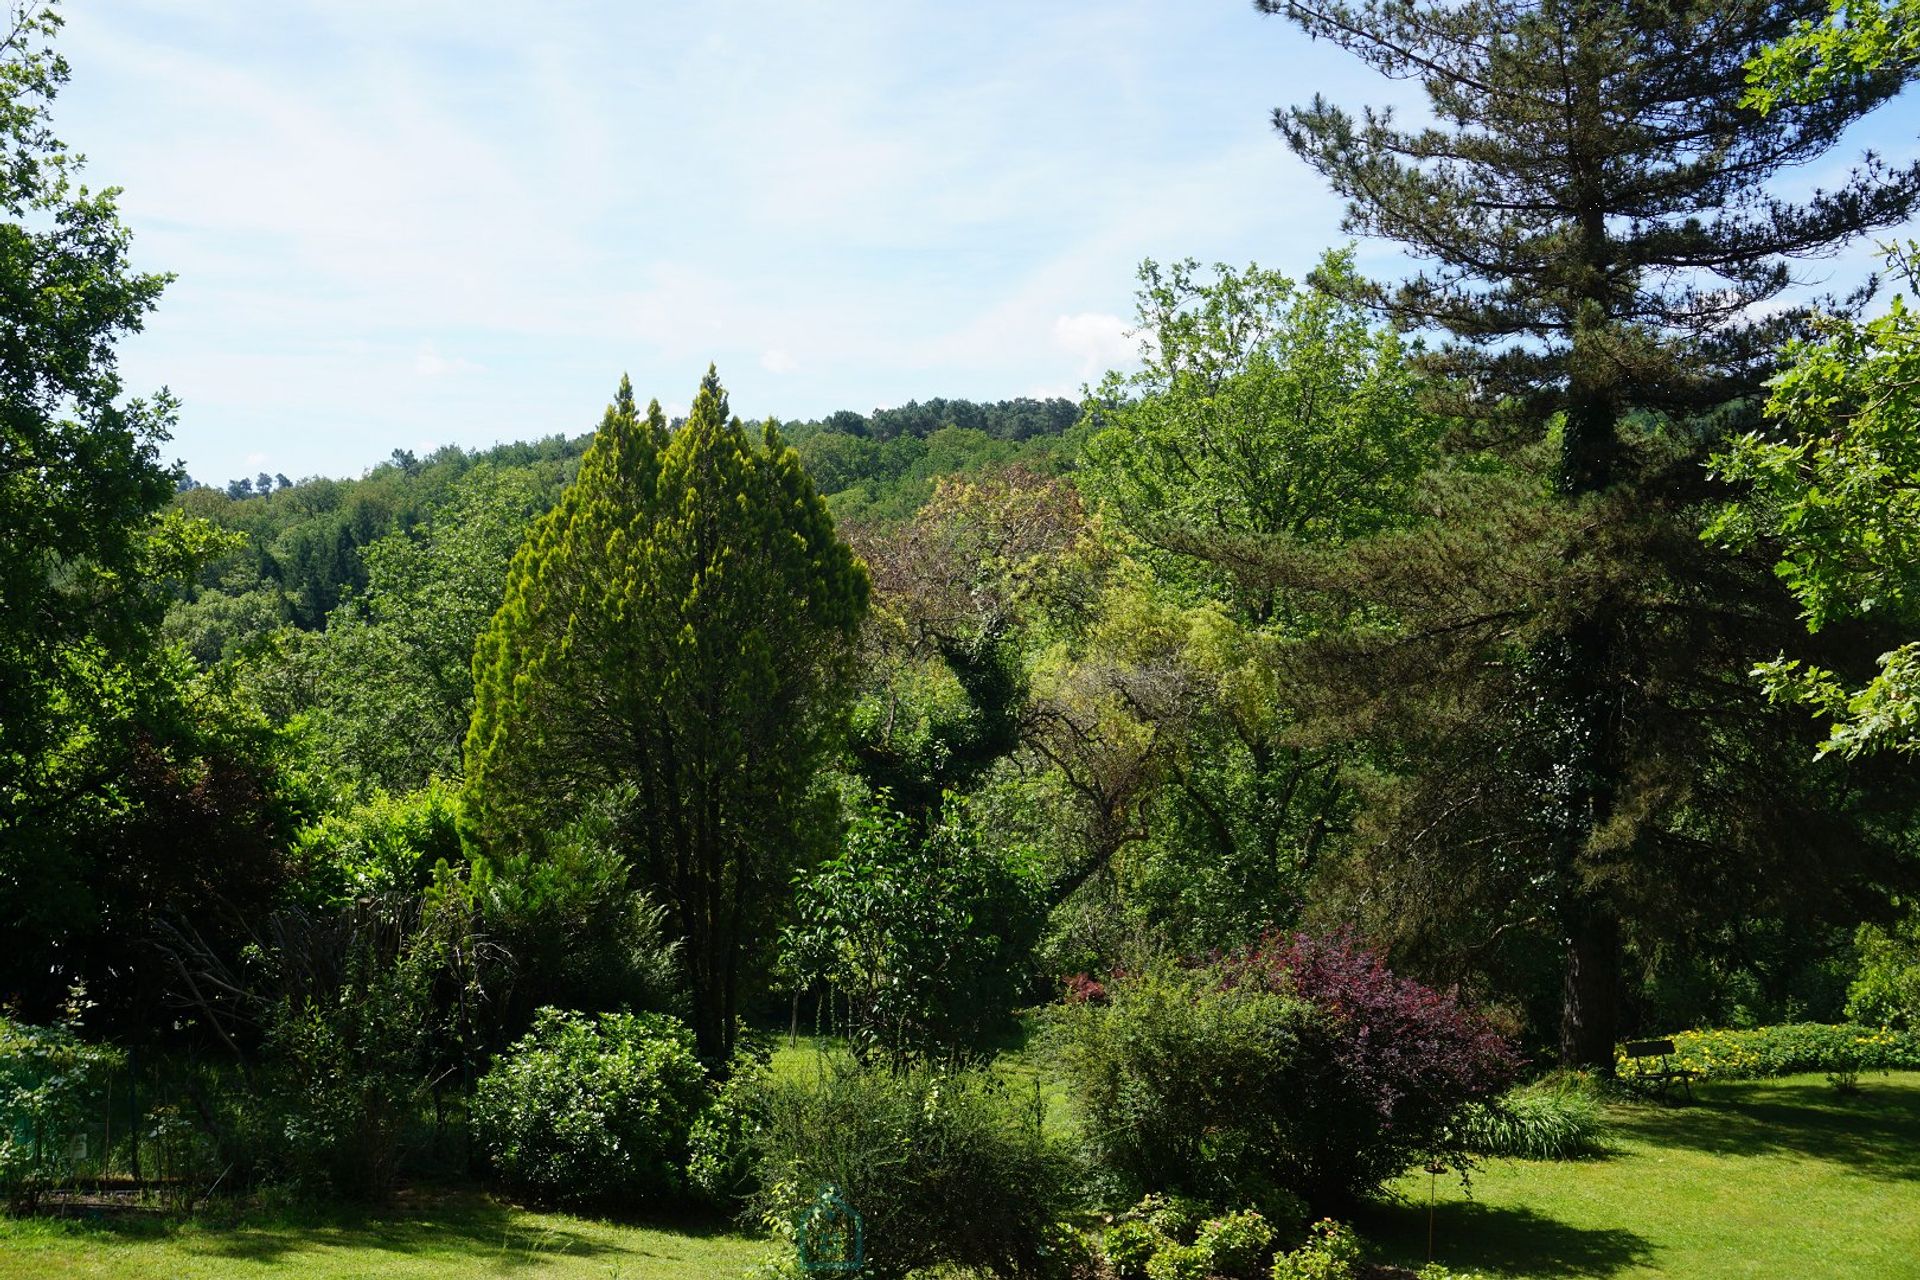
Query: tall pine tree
point(1606, 255)
point(679, 627)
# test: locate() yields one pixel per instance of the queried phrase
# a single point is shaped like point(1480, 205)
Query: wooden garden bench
point(1664, 1074)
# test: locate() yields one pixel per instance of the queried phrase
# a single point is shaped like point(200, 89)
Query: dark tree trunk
point(1590, 979)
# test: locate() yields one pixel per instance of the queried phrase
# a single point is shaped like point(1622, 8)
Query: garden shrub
point(1558, 1118)
point(949, 1169)
point(1784, 1050)
point(1886, 991)
point(1179, 1262)
point(386, 844)
point(580, 936)
point(1330, 1253)
point(1173, 1238)
point(50, 1084)
point(726, 1141)
point(349, 1047)
point(925, 937)
point(1235, 1244)
point(1128, 1244)
point(1303, 1068)
point(1173, 1216)
point(593, 1109)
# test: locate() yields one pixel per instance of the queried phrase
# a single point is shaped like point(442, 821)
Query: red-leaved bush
point(1408, 1049)
point(1301, 1067)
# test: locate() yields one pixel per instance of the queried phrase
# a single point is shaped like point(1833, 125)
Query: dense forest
point(1379, 693)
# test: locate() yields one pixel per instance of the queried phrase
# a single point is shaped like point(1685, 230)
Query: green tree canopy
point(1606, 254)
point(79, 475)
point(680, 623)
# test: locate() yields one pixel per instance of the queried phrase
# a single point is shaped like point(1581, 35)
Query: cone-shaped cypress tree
point(1592, 200)
point(680, 625)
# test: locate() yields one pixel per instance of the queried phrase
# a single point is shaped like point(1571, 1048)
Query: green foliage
point(1127, 1245)
point(382, 846)
point(1610, 283)
point(727, 1141)
point(386, 691)
point(1558, 1118)
point(1785, 1050)
point(572, 928)
point(1235, 1244)
point(1197, 1089)
point(1838, 485)
point(1175, 1236)
point(307, 550)
point(593, 1109)
point(80, 476)
point(879, 468)
point(680, 624)
point(1307, 1073)
point(97, 739)
point(925, 935)
point(1886, 993)
point(1858, 42)
point(349, 1045)
point(51, 1082)
point(944, 1168)
point(1331, 1252)
point(1179, 1262)
point(168, 799)
point(1264, 415)
point(1268, 424)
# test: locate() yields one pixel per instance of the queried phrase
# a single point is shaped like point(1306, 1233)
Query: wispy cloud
point(463, 219)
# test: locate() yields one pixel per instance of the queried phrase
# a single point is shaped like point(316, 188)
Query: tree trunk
point(1590, 978)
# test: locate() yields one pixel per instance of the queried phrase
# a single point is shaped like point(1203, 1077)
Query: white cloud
point(1097, 340)
point(778, 360)
point(429, 363)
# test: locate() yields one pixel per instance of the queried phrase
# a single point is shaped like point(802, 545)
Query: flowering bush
point(1330, 1253)
point(1172, 1238)
point(1783, 1050)
point(1303, 1067)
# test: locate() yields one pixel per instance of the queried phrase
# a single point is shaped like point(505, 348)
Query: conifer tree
point(1608, 261)
point(678, 626)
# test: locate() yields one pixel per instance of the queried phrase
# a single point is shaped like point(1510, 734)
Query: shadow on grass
point(1875, 1132)
point(461, 1225)
point(1505, 1239)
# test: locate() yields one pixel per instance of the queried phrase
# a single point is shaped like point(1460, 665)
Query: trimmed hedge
point(1784, 1050)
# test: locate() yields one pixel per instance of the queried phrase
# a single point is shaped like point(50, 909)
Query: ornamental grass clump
point(1558, 1118)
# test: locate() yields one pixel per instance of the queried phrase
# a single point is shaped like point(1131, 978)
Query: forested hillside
point(1384, 725)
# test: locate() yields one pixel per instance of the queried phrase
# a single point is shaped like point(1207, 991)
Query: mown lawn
point(1773, 1180)
point(439, 1236)
point(1770, 1180)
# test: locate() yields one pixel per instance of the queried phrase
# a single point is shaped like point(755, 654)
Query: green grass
point(1781, 1179)
point(440, 1236)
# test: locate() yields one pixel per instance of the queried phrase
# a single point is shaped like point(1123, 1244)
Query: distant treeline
point(304, 540)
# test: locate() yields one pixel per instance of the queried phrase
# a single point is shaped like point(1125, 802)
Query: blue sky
point(405, 223)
